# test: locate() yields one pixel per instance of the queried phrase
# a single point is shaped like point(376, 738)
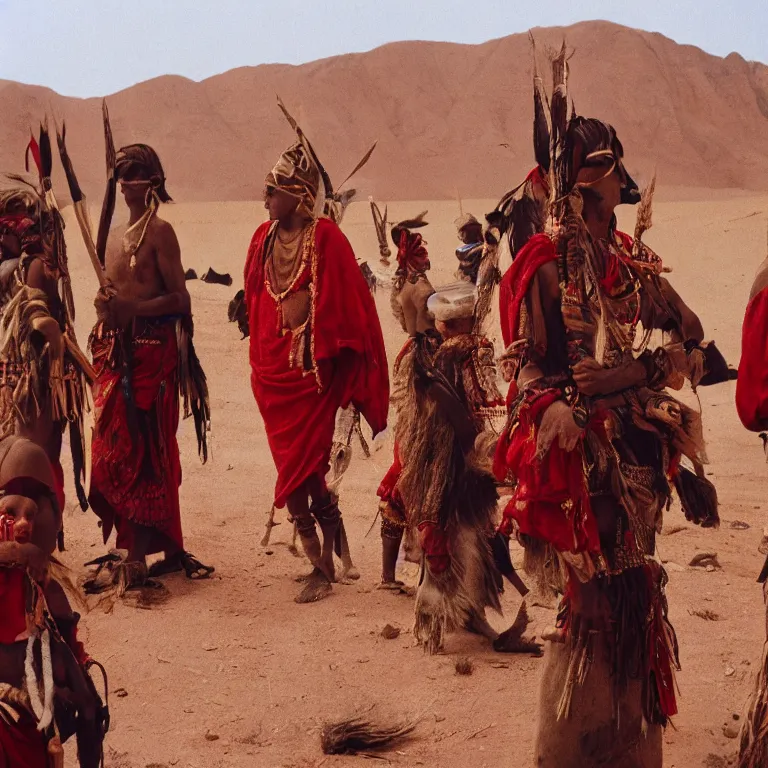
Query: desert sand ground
point(231, 672)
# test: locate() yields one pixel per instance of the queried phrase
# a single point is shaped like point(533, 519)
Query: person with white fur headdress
point(446, 481)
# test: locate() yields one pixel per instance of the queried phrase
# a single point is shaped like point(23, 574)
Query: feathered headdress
point(300, 173)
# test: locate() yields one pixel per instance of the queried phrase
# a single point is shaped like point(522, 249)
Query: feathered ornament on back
point(541, 132)
point(641, 253)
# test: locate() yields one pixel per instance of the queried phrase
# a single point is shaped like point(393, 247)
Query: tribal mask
point(592, 143)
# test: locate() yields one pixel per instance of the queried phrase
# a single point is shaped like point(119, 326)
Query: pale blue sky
point(96, 47)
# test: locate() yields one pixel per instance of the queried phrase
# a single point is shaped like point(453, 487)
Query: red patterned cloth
point(299, 407)
point(551, 501)
point(22, 745)
point(752, 383)
point(137, 484)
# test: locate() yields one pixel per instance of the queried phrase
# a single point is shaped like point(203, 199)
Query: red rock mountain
point(449, 118)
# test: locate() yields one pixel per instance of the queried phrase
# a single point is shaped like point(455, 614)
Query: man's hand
point(114, 310)
point(35, 561)
point(592, 379)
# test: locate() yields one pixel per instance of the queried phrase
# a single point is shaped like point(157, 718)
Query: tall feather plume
point(46, 156)
point(79, 202)
point(559, 117)
point(108, 207)
point(75, 191)
point(541, 137)
point(33, 149)
point(366, 158)
point(380, 225)
point(328, 187)
point(645, 211)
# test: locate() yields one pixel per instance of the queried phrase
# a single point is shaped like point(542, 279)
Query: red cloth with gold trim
point(299, 407)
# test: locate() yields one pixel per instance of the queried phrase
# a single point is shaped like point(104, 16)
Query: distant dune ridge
point(440, 111)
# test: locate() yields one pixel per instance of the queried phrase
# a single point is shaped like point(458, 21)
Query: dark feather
point(356, 735)
point(46, 155)
point(75, 190)
point(108, 207)
point(366, 158)
point(76, 444)
point(559, 115)
point(541, 137)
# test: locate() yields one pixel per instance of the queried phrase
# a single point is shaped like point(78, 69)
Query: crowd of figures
point(577, 461)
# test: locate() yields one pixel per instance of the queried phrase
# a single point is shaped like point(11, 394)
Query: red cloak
point(137, 484)
point(299, 407)
point(752, 383)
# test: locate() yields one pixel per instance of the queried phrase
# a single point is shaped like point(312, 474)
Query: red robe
point(138, 484)
point(752, 383)
point(298, 407)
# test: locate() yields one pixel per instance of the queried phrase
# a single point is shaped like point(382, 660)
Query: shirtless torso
point(149, 282)
point(413, 301)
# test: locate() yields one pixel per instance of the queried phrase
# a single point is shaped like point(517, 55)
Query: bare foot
point(317, 588)
point(349, 574)
point(554, 635)
point(479, 625)
point(303, 578)
point(511, 642)
point(391, 585)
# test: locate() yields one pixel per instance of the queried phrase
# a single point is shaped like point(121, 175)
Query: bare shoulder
point(548, 277)
point(161, 227)
point(163, 234)
point(423, 288)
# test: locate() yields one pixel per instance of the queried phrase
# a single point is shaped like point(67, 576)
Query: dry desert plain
point(232, 673)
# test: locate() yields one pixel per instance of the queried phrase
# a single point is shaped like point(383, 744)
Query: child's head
point(17, 518)
point(25, 472)
point(453, 308)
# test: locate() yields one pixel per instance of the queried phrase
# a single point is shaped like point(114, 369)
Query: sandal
point(166, 566)
point(193, 568)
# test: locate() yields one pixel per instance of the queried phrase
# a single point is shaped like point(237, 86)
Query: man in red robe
point(752, 383)
point(752, 407)
point(315, 346)
point(144, 326)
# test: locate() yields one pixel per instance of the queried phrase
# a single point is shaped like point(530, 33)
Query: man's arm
point(691, 325)
point(176, 300)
